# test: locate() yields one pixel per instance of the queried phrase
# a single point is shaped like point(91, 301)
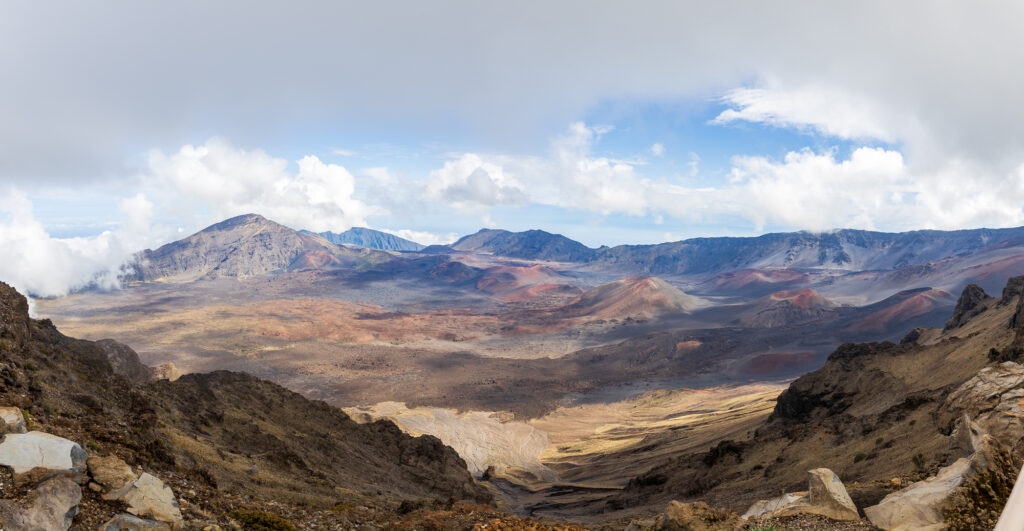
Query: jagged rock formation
point(369, 238)
point(243, 246)
point(971, 303)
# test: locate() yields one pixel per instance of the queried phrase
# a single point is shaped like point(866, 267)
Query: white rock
point(150, 498)
point(25, 451)
point(14, 421)
point(919, 506)
point(773, 505)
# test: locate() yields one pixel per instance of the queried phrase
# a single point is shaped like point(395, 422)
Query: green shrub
point(261, 521)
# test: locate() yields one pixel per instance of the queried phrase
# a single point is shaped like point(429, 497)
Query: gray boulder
point(52, 505)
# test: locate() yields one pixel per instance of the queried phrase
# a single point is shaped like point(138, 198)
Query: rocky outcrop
point(125, 361)
point(973, 301)
point(13, 420)
point(994, 398)
point(826, 496)
point(24, 452)
point(14, 321)
point(166, 371)
point(52, 505)
point(968, 494)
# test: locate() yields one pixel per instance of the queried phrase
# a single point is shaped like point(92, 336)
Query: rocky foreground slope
point(94, 448)
point(926, 432)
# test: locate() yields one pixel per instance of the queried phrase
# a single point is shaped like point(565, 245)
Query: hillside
point(631, 297)
point(873, 412)
point(223, 441)
point(243, 246)
point(369, 238)
point(528, 245)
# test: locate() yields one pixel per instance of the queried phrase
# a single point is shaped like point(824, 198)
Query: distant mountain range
point(849, 250)
point(848, 265)
point(369, 238)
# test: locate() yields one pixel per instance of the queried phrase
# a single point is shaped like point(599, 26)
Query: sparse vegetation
point(261, 521)
point(919, 461)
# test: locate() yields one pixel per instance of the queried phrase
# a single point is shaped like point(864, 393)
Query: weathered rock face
point(13, 420)
point(149, 497)
point(125, 361)
point(110, 472)
point(14, 321)
point(127, 522)
point(25, 451)
point(971, 303)
point(994, 398)
point(964, 495)
point(52, 505)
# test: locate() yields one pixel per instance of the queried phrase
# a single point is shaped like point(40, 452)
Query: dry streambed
point(598, 444)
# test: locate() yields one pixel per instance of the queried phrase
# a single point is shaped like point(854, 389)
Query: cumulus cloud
point(217, 180)
point(469, 183)
point(43, 266)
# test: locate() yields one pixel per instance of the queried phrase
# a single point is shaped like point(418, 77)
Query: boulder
point(13, 420)
point(826, 496)
point(111, 473)
point(769, 507)
point(970, 491)
point(127, 522)
point(149, 497)
point(35, 449)
point(919, 506)
point(51, 505)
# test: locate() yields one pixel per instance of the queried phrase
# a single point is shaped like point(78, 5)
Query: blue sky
point(434, 120)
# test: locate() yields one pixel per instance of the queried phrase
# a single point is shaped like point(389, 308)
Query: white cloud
point(827, 111)
point(225, 181)
point(424, 237)
point(468, 183)
point(345, 152)
point(658, 149)
point(43, 266)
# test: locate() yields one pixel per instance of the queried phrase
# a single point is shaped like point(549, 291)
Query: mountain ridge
point(369, 238)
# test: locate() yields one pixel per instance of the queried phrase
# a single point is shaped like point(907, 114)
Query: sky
point(125, 125)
